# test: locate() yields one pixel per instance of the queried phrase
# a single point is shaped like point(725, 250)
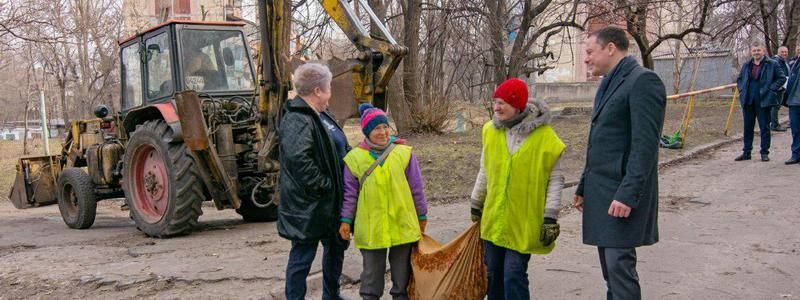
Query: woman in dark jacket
point(312, 146)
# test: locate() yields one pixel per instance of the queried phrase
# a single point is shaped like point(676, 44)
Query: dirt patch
point(11, 249)
point(674, 203)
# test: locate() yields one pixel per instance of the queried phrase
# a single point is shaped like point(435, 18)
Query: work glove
point(475, 214)
point(550, 231)
point(344, 231)
point(422, 225)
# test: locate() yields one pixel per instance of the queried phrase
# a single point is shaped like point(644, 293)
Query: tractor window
point(159, 66)
point(132, 77)
point(215, 60)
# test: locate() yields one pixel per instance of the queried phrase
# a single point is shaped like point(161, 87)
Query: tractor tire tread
point(187, 186)
point(83, 187)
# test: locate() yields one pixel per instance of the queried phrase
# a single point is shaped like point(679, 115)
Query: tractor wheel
point(76, 199)
point(161, 184)
point(252, 213)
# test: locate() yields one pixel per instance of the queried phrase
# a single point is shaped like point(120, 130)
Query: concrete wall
point(565, 92)
point(713, 71)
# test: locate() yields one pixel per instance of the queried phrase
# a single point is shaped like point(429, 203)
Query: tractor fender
point(157, 111)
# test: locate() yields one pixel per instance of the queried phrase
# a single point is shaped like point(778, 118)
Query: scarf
point(516, 119)
point(375, 150)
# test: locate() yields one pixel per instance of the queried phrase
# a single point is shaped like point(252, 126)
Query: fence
point(692, 100)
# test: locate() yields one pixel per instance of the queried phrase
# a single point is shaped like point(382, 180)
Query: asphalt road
point(728, 231)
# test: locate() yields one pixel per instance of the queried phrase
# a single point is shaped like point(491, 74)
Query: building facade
point(138, 15)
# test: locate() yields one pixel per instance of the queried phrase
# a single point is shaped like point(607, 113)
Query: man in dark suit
point(793, 101)
point(618, 191)
point(782, 58)
point(759, 82)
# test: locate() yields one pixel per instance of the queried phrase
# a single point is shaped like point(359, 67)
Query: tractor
point(197, 121)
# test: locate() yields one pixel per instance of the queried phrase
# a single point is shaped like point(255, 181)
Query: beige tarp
point(451, 271)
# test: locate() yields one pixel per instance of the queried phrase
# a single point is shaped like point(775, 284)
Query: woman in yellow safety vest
point(384, 204)
point(518, 189)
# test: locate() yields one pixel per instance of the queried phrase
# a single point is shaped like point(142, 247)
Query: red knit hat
point(514, 92)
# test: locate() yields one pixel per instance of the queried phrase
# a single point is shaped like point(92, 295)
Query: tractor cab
point(208, 57)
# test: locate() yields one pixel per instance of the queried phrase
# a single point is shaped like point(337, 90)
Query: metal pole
point(688, 118)
point(730, 112)
point(45, 131)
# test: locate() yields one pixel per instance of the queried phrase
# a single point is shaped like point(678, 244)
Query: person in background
point(517, 191)
point(796, 55)
point(783, 61)
point(793, 101)
point(759, 82)
point(384, 205)
point(311, 187)
point(618, 190)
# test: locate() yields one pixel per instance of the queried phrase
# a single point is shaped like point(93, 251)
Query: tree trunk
point(62, 93)
point(25, 150)
point(677, 68)
point(769, 20)
point(497, 17)
point(636, 21)
point(412, 13)
point(792, 17)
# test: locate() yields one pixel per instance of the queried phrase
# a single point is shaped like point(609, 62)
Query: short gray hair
point(757, 44)
point(309, 76)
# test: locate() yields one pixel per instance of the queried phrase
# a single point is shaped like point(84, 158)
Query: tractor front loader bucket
point(36, 181)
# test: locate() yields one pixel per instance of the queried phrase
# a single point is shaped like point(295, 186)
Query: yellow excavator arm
point(378, 59)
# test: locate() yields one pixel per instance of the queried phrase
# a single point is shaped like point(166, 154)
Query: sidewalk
point(728, 231)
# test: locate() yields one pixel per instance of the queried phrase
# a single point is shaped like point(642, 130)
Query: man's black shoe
point(764, 157)
point(792, 161)
point(744, 156)
point(779, 128)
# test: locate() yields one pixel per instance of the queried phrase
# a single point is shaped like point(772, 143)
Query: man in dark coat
point(782, 58)
point(759, 82)
point(793, 101)
point(311, 185)
point(618, 191)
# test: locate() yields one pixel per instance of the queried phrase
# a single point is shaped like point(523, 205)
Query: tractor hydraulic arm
point(379, 57)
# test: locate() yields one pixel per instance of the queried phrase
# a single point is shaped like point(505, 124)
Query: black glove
point(550, 231)
point(475, 214)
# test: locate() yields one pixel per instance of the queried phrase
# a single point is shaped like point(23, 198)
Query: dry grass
point(450, 161)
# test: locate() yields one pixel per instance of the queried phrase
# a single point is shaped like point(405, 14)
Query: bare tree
point(638, 17)
point(528, 27)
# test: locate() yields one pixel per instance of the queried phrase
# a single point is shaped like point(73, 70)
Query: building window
point(183, 7)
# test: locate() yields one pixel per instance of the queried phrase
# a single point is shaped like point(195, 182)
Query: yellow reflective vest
point(385, 211)
point(513, 211)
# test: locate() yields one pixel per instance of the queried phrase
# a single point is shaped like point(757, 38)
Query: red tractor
point(196, 124)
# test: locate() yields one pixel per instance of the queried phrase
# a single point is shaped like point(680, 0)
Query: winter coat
point(514, 139)
point(622, 158)
point(793, 88)
point(771, 78)
point(311, 188)
point(386, 214)
point(519, 182)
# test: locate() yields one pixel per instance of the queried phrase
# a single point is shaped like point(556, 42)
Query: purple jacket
point(413, 176)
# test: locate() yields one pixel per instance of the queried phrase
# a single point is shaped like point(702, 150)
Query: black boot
point(764, 157)
point(744, 156)
point(792, 161)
